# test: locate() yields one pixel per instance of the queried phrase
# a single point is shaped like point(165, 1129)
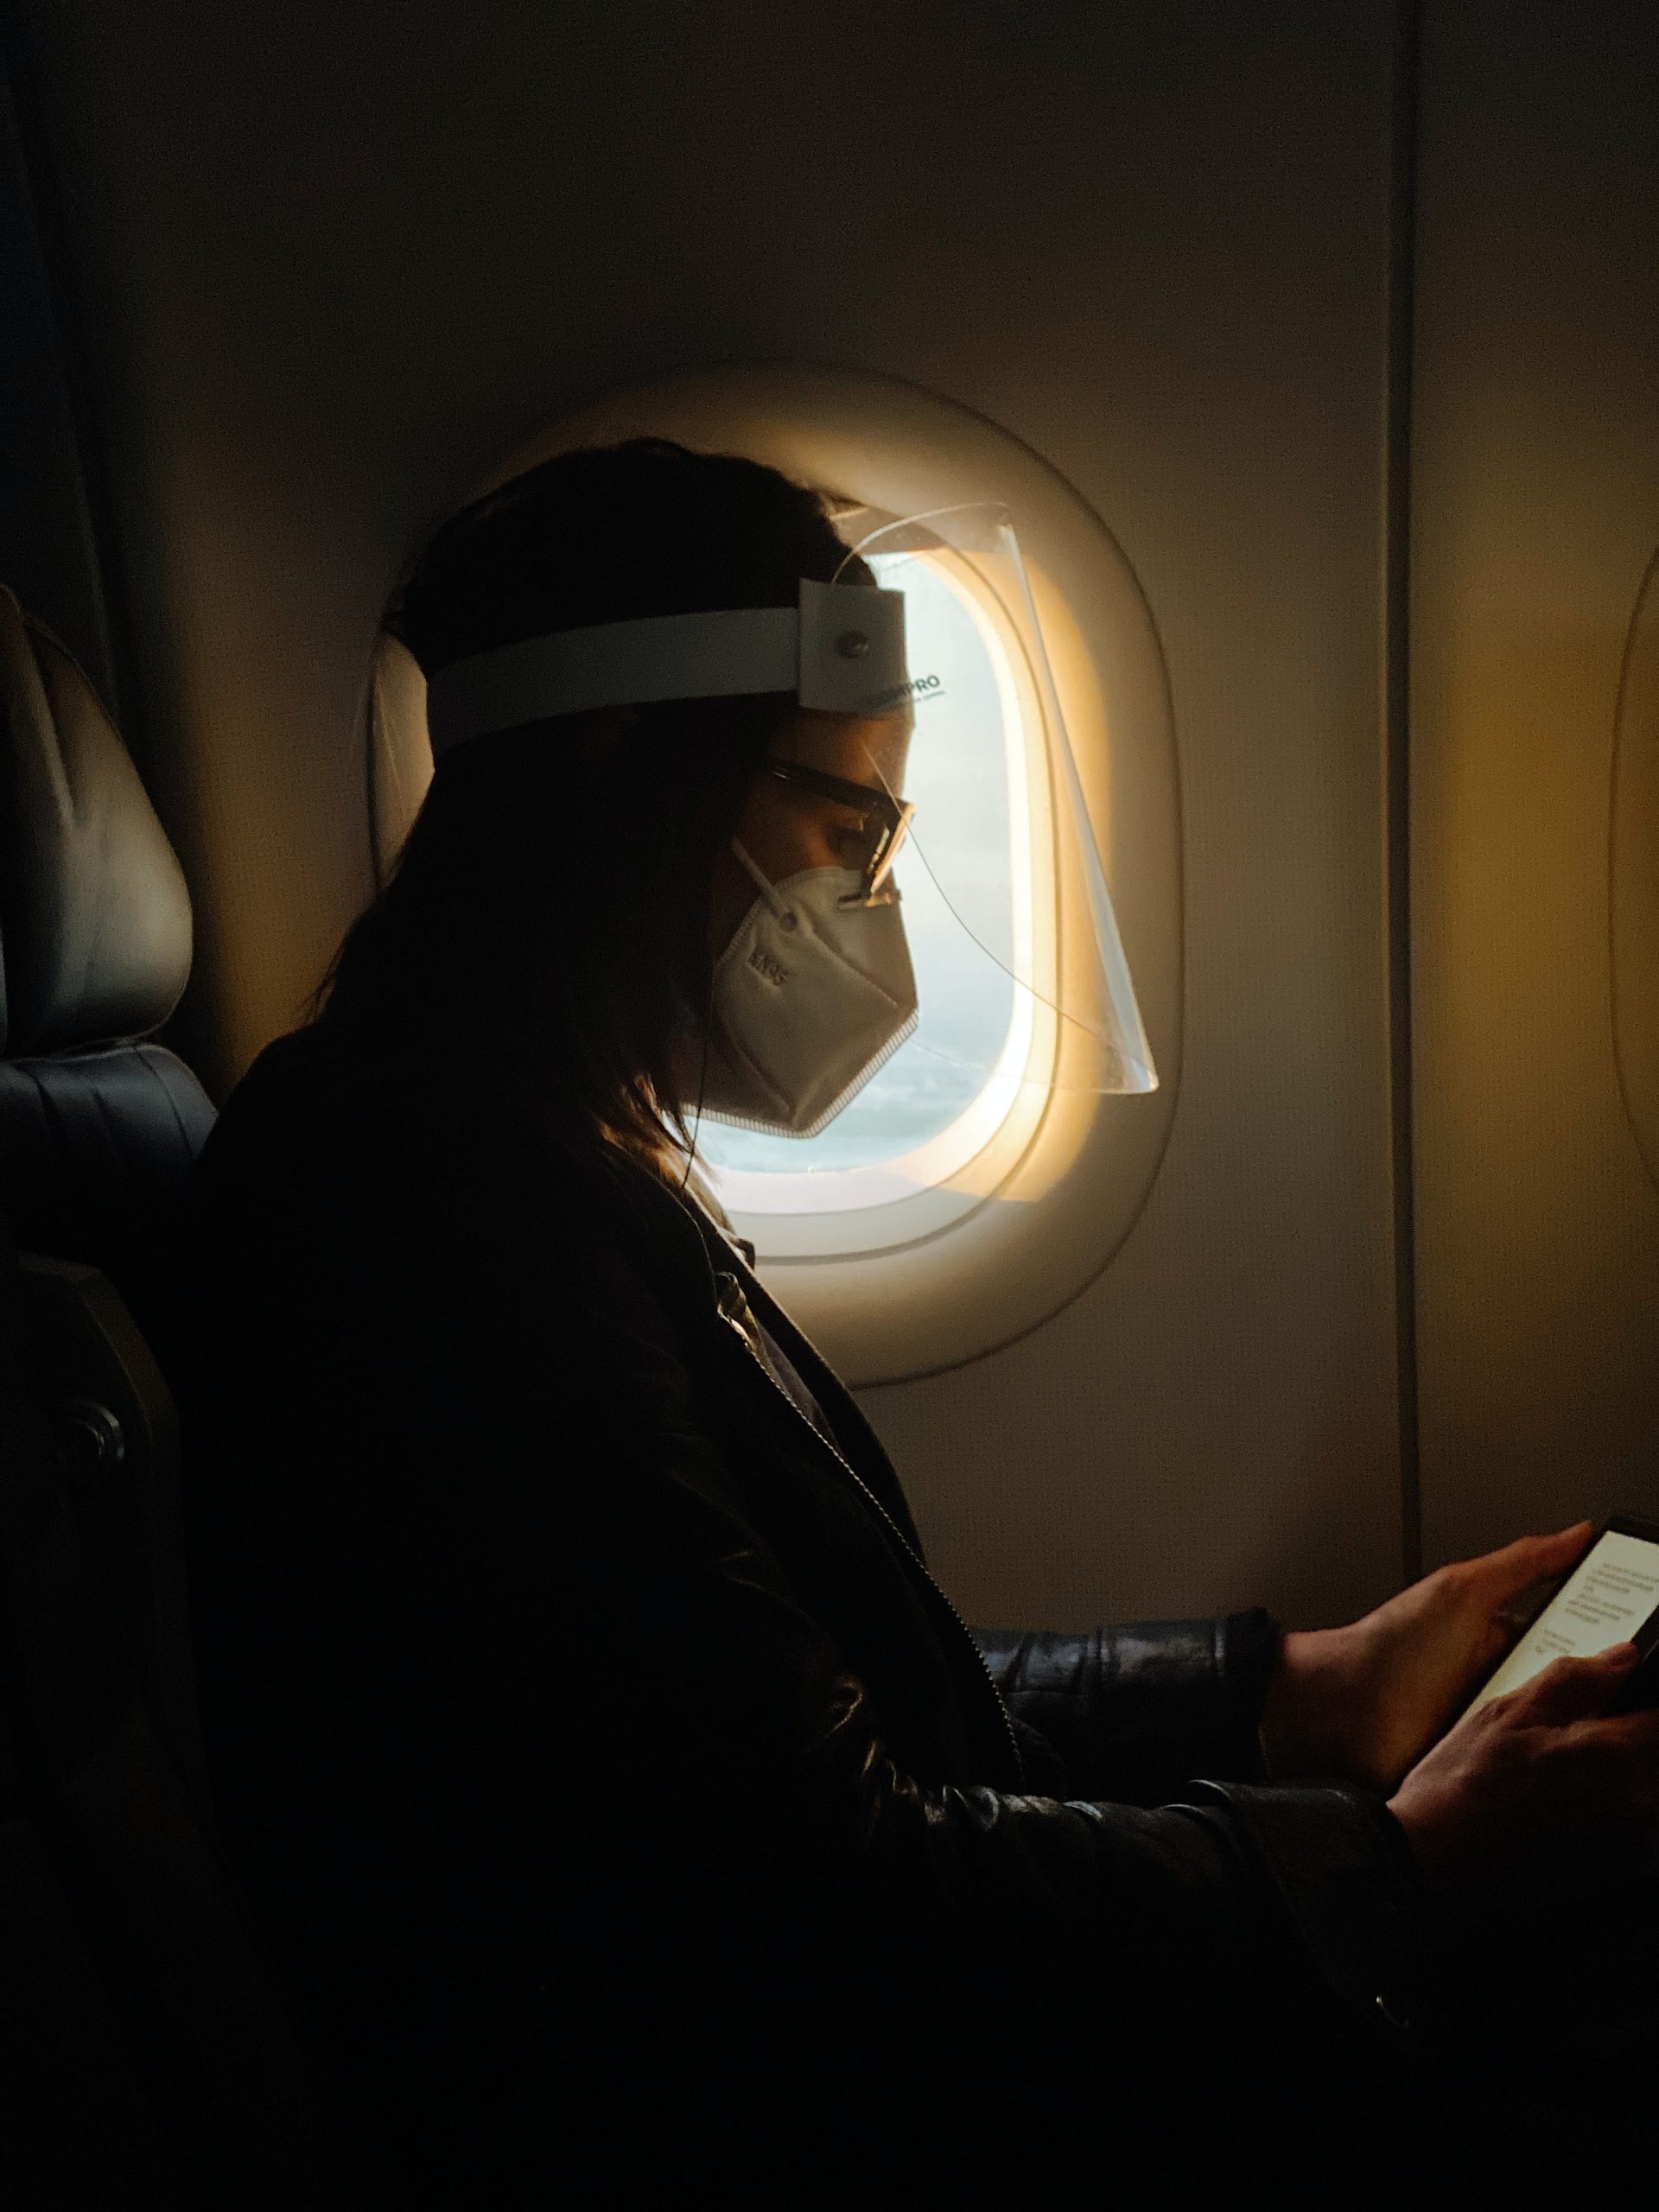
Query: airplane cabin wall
point(343, 259)
point(1535, 515)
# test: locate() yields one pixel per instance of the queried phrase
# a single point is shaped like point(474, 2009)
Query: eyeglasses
point(886, 820)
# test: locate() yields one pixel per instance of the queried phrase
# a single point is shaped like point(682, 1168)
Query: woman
point(631, 1816)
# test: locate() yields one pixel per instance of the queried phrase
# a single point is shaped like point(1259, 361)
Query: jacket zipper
point(869, 1496)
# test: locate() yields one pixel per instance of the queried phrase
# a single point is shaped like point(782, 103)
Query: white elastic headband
point(842, 648)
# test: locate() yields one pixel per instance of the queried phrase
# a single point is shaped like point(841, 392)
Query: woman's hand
point(1363, 1703)
point(1542, 1800)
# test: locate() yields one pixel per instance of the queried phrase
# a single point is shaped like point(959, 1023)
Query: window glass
point(965, 1006)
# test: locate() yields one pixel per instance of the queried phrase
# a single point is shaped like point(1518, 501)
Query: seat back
point(99, 1129)
point(96, 1147)
point(143, 2056)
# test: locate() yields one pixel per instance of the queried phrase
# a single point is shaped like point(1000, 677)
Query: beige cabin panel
point(1535, 515)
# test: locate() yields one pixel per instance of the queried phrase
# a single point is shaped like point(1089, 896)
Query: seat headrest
point(94, 914)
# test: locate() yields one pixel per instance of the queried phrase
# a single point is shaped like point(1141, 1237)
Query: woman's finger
point(1575, 1689)
point(1635, 1734)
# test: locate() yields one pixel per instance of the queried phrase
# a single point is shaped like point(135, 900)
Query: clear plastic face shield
point(931, 744)
point(993, 854)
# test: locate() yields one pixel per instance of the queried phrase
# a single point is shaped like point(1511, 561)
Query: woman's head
point(559, 900)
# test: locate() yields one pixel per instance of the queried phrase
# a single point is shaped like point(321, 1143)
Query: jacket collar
point(688, 1242)
point(700, 1250)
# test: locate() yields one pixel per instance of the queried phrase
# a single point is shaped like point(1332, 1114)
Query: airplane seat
point(99, 1131)
point(158, 2063)
point(98, 1128)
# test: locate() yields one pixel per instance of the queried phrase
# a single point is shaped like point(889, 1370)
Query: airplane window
point(924, 1114)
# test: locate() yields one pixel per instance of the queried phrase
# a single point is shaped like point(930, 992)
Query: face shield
point(929, 732)
point(985, 837)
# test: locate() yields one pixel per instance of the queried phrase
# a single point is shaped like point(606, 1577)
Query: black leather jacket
point(630, 1811)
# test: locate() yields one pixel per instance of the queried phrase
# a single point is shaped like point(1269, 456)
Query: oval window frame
point(1078, 1170)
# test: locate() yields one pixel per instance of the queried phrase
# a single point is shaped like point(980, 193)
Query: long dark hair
point(549, 914)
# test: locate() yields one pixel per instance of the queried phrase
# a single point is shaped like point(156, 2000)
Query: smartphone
point(1611, 1597)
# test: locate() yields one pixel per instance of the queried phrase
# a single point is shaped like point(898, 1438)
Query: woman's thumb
point(1550, 1554)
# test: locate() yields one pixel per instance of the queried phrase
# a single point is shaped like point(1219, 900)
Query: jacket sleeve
point(1134, 1712)
point(1178, 1916)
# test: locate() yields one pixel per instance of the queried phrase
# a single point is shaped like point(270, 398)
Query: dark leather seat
point(99, 1129)
point(143, 2058)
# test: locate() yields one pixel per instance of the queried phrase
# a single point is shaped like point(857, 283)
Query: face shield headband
point(840, 649)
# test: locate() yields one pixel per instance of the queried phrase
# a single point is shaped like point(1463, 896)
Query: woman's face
point(785, 830)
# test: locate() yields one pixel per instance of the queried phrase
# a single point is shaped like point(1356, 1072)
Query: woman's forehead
point(861, 749)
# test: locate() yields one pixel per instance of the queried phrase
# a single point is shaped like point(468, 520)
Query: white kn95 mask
point(812, 995)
